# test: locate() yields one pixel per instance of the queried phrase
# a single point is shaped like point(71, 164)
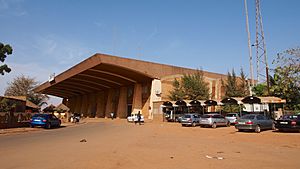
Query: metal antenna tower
point(261, 52)
point(249, 47)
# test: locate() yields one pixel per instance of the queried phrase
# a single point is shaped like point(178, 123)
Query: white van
point(134, 118)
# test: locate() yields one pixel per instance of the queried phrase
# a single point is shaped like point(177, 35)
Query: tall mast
point(261, 51)
point(249, 47)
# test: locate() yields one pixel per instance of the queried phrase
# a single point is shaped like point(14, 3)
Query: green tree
point(6, 105)
point(23, 86)
point(232, 108)
point(243, 85)
point(195, 87)
point(177, 92)
point(4, 51)
point(236, 86)
point(260, 89)
point(286, 80)
point(49, 109)
point(191, 87)
point(231, 87)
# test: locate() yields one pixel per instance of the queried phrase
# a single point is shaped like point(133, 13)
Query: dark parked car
point(288, 123)
point(190, 120)
point(255, 122)
point(45, 120)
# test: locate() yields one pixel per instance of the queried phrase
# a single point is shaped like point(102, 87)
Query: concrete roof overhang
point(97, 73)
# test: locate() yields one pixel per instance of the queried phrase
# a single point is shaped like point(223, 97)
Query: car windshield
point(249, 116)
point(230, 115)
point(187, 116)
point(39, 115)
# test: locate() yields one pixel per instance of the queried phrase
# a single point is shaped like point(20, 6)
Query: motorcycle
point(75, 118)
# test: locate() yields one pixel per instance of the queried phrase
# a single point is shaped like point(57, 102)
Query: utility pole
point(261, 51)
point(249, 48)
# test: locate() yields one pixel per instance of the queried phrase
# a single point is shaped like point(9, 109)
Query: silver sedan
point(255, 122)
point(213, 120)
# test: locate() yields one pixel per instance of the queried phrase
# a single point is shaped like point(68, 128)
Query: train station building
point(103, 84)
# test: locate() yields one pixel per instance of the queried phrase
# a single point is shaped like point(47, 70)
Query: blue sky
point(51, 36)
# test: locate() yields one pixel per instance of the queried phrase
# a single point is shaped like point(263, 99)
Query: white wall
point(257, 107)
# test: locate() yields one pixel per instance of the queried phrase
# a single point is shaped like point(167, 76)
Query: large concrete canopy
point(97, 73)
point(103, 83)
point(101, 72)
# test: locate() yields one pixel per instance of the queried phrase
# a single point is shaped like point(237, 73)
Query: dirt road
point(118, 144)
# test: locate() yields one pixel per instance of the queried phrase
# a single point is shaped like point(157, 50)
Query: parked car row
point(254, 122)
point(207, 120)
point(248, 122)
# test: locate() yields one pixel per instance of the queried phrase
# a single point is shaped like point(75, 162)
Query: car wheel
point(193, 124)
point(273, 126)
point(214, 125)
point(257, 129)
point(59, 124)
point(228, 124)
point(32, 126)
point(182, 125)
point(240, 130)
point(48, 126)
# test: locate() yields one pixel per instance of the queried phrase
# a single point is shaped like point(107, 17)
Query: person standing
point(112, 115)
point(139, 117)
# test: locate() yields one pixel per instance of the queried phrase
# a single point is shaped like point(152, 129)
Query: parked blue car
point(45, 120)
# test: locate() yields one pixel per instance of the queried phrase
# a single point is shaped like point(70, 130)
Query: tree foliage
point(4, 51)
point(49, 109)
point(260, 89)
point(191, 87)
point(236, 86)
point(286, 80)
point(232, 108)
point(6, 105)
point(244, 85)
point(177, 92)
point(23, 86)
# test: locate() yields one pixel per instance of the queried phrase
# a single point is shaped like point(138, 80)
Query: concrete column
point(210, 88)
point(92, 105)
point(109, 104)
point(78, 104)
point(72, 104)
point(84, 107)
point(122, 104)
point(217, 90)
point(213, 90)
point(100, 99)
point(146, 106)
point(155, 95)
point(137, 98)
